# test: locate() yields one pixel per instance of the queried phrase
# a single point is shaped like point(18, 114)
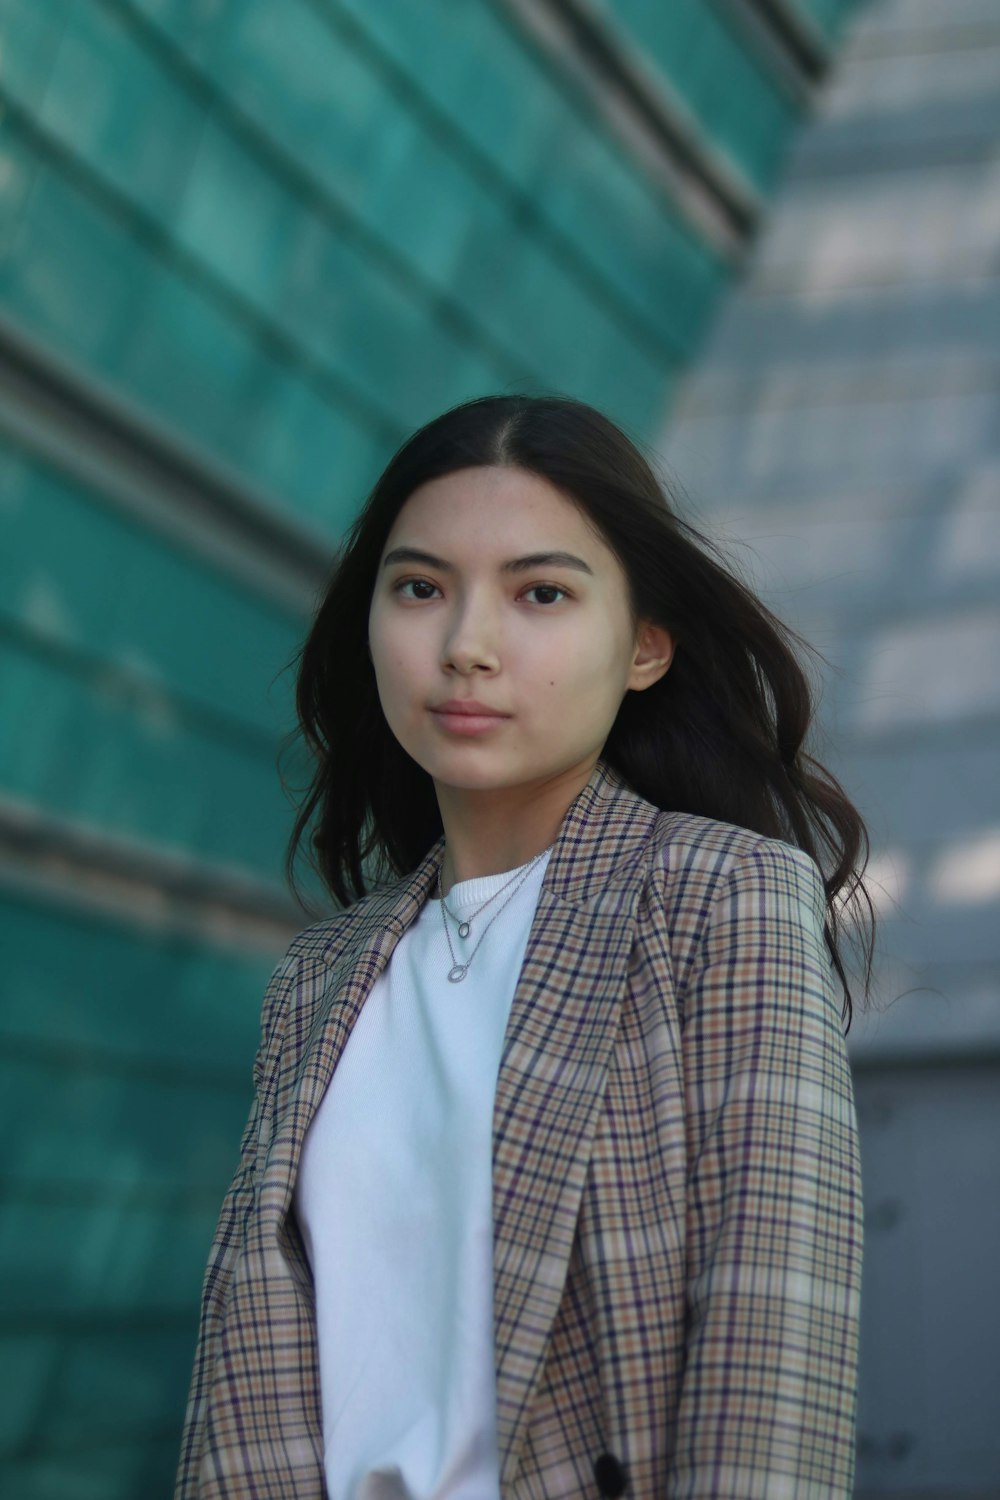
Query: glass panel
point(121, 590)
point(29, 39)
point(720, 79)
point(117, 108)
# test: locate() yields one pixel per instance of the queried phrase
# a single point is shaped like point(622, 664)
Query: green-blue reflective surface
point(146, 691)
point(737, 102)
point(831, 16)
point(125, 1081)
point(265, 223)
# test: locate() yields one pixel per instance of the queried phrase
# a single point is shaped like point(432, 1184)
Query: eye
point(546, 588)
point(404, 583)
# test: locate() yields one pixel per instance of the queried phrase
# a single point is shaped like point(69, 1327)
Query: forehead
point(496, 506)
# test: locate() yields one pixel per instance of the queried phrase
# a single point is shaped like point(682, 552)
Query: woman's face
point(548, 645)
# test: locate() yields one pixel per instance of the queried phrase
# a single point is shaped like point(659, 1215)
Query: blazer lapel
point(554, 1066)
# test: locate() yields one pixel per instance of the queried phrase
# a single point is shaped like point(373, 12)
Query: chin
point(472, 778)
point(467, 766)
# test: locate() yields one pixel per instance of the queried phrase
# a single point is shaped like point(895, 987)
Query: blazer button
point(610, 1475)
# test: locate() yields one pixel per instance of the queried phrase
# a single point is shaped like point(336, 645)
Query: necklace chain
point(458, 971)
point(465, 924)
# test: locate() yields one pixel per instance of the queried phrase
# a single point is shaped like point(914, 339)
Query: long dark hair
point(720, 734)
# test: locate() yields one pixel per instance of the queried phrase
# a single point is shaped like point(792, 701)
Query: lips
point(468, 707)
point(467, 718)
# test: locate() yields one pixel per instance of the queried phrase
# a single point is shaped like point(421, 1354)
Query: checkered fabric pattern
point(676, 1182)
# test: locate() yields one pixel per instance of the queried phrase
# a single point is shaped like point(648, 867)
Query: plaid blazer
point(676, 1182)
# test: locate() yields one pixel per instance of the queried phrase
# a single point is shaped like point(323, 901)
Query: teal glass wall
point(277, 238)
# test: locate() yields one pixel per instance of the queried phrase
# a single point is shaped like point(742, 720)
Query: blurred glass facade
point(244, 249)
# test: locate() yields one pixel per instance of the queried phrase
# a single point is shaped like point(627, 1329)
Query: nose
point(471, 641)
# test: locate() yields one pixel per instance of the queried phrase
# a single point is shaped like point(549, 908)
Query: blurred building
point(844, 419)
point(245, 248)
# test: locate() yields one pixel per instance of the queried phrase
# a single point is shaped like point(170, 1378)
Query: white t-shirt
point(394, 1200)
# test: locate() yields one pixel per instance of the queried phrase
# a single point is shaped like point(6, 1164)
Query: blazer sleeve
point(228, 1238)
point(767, 1405)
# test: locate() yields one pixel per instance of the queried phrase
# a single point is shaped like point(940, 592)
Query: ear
point(653, 654)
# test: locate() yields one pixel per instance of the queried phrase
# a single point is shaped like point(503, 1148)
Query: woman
point(551, 1183)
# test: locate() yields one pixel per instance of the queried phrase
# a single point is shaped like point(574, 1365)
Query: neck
point(488, 832)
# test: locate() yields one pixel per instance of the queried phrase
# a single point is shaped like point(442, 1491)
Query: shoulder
point(706, 855)
point(300, 975)
point(322, 941)
point(329, 936)
point(708, 877)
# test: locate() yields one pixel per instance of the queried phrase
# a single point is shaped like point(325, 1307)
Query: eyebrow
point(512, 565)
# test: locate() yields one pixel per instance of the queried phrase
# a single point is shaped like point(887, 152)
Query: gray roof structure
point(842, 430)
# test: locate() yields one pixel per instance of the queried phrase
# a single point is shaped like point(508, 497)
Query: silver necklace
point(465, 925)
point(458, 971)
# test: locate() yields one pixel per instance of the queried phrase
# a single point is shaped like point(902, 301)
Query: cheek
point(387, 641)
point(579, 673)
point(381, 655)
point(399, 664)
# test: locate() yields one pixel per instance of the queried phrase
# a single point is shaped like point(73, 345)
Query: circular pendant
point(464, 928)
point(456, 973)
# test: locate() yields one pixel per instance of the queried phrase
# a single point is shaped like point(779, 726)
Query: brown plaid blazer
point(676, 1182)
